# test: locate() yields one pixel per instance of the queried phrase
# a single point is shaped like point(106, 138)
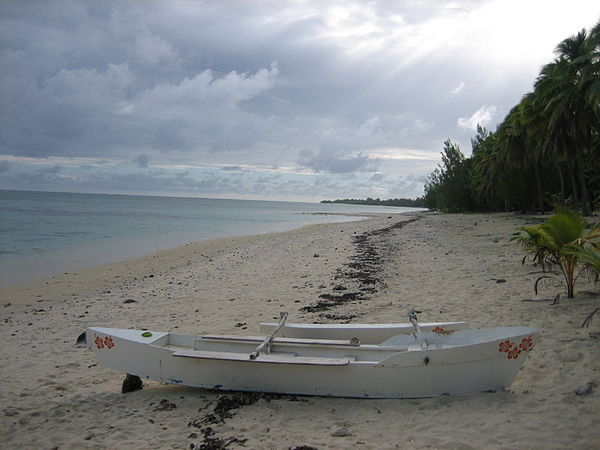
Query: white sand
point(55, 396)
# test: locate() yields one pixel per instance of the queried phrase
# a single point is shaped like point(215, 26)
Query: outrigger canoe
point(421, 364)
point(367, 333)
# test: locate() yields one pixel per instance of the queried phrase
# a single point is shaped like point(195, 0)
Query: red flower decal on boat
point(99, 342)
point(505, 346)
point(526, 343)
point(438, 330)
point(514, 353)
point(108, 341)
point(512, 350)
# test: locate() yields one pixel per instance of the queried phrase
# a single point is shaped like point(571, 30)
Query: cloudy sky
point(261, 99)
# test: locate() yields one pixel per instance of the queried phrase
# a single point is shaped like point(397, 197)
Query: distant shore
point(451, 267)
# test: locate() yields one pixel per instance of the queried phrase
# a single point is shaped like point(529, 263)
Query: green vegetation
point(563, 241)
point(545, 153)
point(417, 203)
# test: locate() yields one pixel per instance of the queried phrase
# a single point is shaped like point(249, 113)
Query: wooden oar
point(267, 342)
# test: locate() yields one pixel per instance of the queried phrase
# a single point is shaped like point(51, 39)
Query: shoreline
point(50, 233)
point(452, 267)
point(70, 258)
point(160, 261)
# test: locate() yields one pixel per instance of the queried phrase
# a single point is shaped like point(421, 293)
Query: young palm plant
point(563, 241)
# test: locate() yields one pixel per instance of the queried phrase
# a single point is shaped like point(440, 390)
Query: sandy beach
point(451, 267)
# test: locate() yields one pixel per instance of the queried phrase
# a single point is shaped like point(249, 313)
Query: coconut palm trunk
point(585, 198)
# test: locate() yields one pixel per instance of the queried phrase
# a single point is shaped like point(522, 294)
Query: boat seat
point(271, 358)
point(421, 345)
point(281, 340)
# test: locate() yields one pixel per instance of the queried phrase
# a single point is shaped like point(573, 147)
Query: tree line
point(546, 152)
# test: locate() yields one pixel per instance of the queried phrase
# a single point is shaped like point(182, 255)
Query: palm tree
point(565, 86)
point(589, 256)
point(549, 143)
point(561, 241)
point(590, 73)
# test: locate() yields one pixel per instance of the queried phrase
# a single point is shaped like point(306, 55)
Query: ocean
point(48, 233)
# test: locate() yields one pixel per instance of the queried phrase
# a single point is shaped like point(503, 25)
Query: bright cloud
point(483, 116)
point(458, 88)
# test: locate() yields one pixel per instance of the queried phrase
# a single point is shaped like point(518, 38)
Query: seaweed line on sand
point(363, 270)
point(222, 411)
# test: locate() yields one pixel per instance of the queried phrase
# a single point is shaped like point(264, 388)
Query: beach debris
point(586, 389)
point(316, 255)
point(588, 320)
point(165, 405)
point(304, 447)
point(220, 412)
point(10, 412)
point(331, 300)
point(131, 383)
point(81, 341)
point(339, 317)
point(497, 280)
point(343, 297)
point(241, 324)
point(341, 432)
point(210, 442)
point(130, 300)
point(225, 403)
point(535, 286)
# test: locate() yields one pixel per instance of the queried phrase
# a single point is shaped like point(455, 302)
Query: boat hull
point(365, 371)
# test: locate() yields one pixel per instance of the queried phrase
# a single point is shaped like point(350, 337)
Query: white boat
point(422, 364)
point(371, 333)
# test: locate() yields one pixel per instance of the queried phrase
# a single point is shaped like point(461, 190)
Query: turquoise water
point(45, 233)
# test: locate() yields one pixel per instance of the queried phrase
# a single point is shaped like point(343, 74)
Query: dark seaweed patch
point(363, 270)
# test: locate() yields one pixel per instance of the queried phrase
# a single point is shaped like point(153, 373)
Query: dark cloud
point(294, 86)
point(324, 161)
point(141, 160)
